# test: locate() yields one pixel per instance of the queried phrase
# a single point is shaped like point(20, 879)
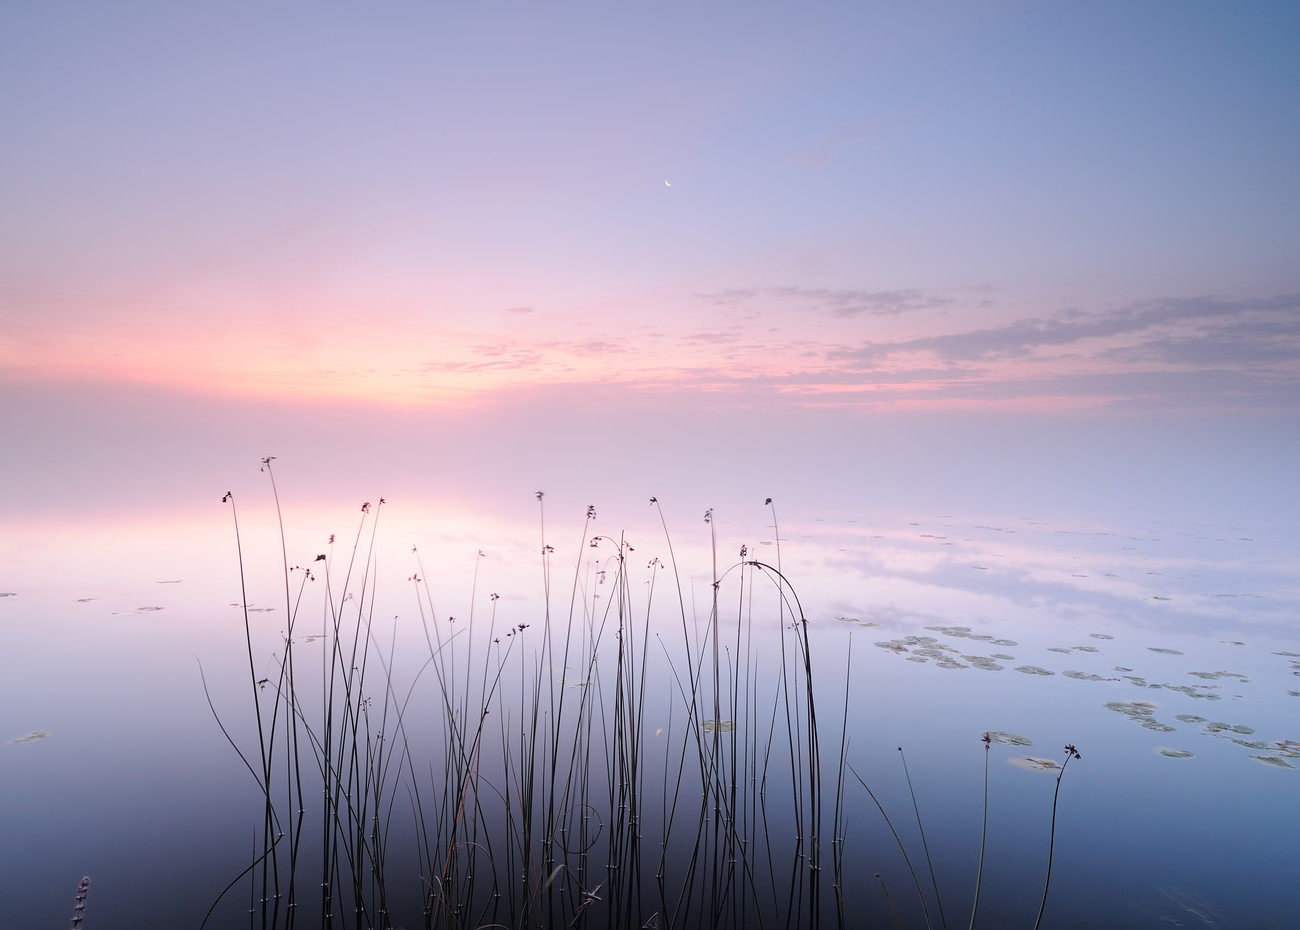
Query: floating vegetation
point(1294, 693)
point(86, 600)
point(1121, 668)
point(1003, 656)
point(8, 593)
point(1290, 655)
point(1249, 743)
point(171, 581)
point(985, 662)
point(1197, 692)
point(858, 621)
point(1033, 670)
point(1173, 753)
point(1206, 675)
point(31, 737)
point(1164, 651)
point(1007, 739)
point(1276, 761)
point(145, 609)
point(585, 683)
point(1141, 713)
point(1087, 676)
point(718, 726)
point(1034, 764)
point(1133, 708)
point(964, 632)
point(1289, 747)
point(1085, 649)
point(1101, 636)
point(1238, 728)
point(1063, 650)
point(1190, 718)
point(313, 637)
point(893, 646)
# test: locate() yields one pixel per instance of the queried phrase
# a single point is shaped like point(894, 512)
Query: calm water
point(1168, 654)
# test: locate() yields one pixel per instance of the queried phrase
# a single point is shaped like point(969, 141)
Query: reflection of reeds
point(514, 773)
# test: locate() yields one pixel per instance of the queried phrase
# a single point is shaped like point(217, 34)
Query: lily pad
point(1276, 762)
point(1034, 764)
point(1174, 753)
point(1163, 651)
point(718, 726)
point(1033, 670)
point(1004, 738)
point(1101, 636)
point(1255, 744)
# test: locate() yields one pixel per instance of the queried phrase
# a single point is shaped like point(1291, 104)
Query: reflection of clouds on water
point(1142, 585)
point(31, 737)
point(1034, 764)
point(1155, 580)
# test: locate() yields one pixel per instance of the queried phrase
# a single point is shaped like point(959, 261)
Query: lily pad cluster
point(1141, 713)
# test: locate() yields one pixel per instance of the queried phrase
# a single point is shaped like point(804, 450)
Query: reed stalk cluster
point(625, 757)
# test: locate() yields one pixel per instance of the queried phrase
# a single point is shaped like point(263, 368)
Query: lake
point(669, 733)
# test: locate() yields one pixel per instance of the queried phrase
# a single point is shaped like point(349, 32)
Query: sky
point(992, 255)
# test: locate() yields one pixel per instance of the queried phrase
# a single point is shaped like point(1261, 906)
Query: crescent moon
point(667, 183)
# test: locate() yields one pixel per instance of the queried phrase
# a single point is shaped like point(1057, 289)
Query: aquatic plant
point(79, 906)
point(1070, 753)
point(545, 785)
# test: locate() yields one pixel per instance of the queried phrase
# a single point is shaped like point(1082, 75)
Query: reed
point(612, 760)
point(79, 905)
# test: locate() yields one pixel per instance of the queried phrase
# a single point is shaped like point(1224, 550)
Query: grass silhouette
point(587, 768)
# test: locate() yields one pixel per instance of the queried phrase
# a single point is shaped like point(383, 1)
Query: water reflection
point(1185, 629)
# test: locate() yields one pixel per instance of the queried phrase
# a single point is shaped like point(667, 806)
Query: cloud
point(842, 303)
point(1196, 330)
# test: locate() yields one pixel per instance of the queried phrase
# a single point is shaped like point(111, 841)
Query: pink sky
point(680, 242)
